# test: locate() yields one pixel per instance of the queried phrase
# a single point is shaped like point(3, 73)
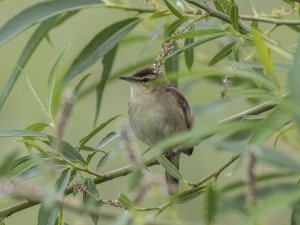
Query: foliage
point(250, 66)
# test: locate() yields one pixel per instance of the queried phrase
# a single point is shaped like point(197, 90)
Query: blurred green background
point(21, 109)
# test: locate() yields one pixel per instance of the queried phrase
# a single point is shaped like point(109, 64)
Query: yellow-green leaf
point(264, 52)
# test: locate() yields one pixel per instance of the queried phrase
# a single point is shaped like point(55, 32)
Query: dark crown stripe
point(146, 71)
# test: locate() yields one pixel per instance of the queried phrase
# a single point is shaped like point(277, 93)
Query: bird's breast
point(153, 119)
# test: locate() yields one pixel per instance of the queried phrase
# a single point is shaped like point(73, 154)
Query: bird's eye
point(144, 80)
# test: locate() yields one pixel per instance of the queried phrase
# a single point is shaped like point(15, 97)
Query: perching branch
point(123, 171)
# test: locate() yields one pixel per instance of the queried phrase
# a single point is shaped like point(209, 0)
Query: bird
point(156, 111)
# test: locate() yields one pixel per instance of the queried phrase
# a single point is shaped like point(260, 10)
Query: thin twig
point(192, 12)
point(127, 8)
point(264, 107)
point(215, 173)
point(215, 13)
point(270, 20)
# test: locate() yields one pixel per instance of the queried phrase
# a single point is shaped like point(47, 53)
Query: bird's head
point(145, 80)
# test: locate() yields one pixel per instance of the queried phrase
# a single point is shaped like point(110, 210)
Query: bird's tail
point(172, 182)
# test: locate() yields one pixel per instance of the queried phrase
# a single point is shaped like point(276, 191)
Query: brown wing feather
point(184, 105)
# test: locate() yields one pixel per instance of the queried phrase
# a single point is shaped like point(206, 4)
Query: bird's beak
point(126, 78)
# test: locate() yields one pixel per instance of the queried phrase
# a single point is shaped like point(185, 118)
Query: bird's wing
point(183, 104)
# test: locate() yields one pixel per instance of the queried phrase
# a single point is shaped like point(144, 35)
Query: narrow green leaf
point(189, 54)
point(48, 214)
point(65, 17)
point(158, 14)
point(290, 2)
point(293, 83)
point(56, 99)
point(196, 43)
point(37, 127)
point(279, 50)
point(23, 160)
point(188, 195)
point(20, 133)
point(80, 84)
point(102, 43)
point(222, 54)
point(90, 157)
point(169, 167)
point(88, 137)
point(223, 6)
point(31, 142)
point(59, 218)
point(70, 153)
point(234, 17)
point(236, 51)
point(52, 77)
point(27, 52)
point(108, 138)
point(38, 13)
point(67, 151)
point(172, 67)
point(295, 219)
point(35, 95)
point(173, 10)
point(125, 201)
point(197, 33)
point(63, 181)
point(90, 198)
point(25, 171)
point(269, 126)
point(270, 204)
point(108, 61)
point(210, 204)
point(88, 149)
point(170, 29)
point(263, 51)
point(7, 163)
point(103, 160)
point(198, 134)
point(252, 6)
point(219, 7)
